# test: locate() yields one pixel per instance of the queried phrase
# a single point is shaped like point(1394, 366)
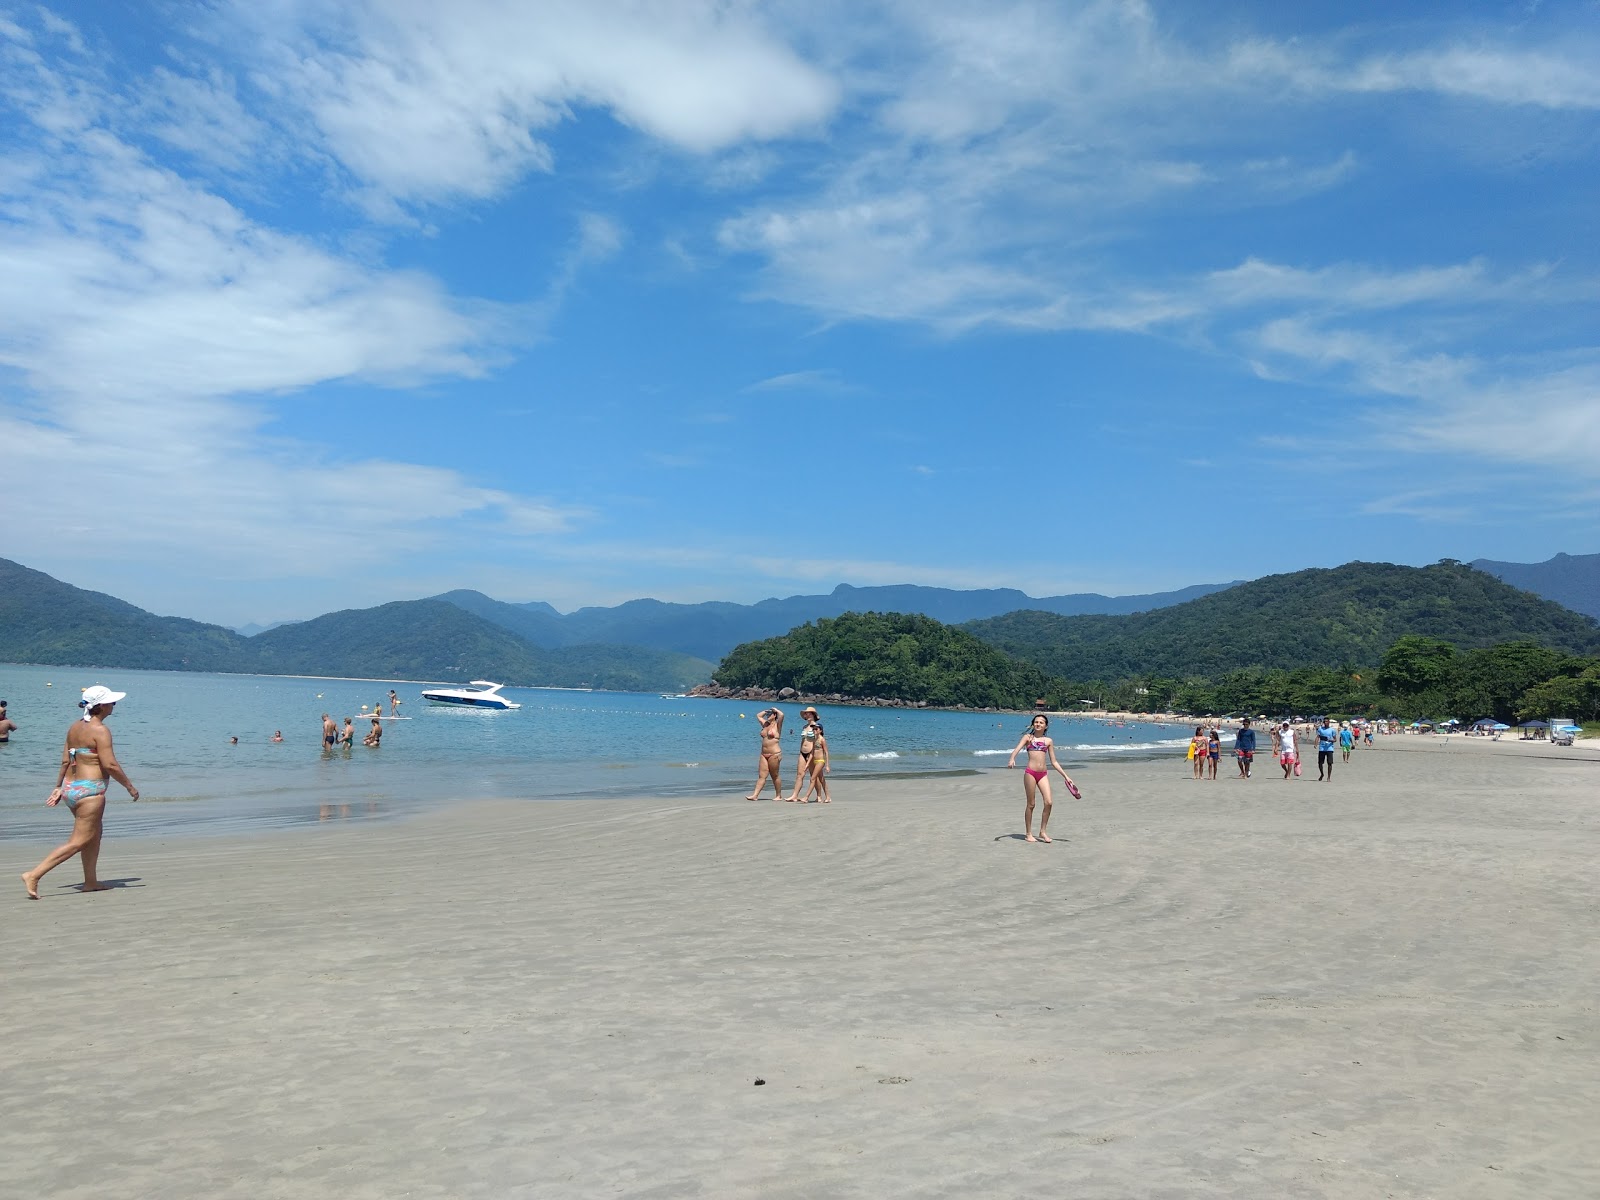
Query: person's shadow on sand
point(1022, 837)
point(107, 885)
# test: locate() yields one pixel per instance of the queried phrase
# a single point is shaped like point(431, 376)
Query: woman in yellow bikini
point(813, 766)
point(1036, 776)
point(87, 764)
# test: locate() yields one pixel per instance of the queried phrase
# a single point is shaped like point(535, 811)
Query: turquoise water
point(172, 738)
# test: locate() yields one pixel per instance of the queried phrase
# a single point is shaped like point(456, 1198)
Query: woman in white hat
point(87, 764)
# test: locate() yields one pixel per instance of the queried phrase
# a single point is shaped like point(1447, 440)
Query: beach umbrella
point(1569, 729)
point(1499, 725)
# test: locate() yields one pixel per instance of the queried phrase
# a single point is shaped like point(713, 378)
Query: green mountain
point(43, 620)
point(889, 656)
point(1346, 615)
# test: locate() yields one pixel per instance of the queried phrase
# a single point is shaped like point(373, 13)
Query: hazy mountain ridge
point(711, 629)
point(43, 620)
point(1572, 580)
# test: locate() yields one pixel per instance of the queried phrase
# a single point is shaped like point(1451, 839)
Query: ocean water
point(172, 738)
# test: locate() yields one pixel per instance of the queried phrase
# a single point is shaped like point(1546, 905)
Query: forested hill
point(1344, 615)
point(432, 639)
point(889, 656)
point(43, 620)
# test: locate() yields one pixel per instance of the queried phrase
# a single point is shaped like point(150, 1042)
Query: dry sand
point(1380, 987)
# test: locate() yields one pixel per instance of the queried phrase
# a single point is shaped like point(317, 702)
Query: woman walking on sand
point(771, 764)
point(87, 763)
point(813, 766)
point(1036, 776)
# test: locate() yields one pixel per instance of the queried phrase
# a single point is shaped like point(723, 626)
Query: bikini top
point(83, 755)
point(1040, 746)
point(810, 732)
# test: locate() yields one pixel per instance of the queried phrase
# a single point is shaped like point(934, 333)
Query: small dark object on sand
point(761, 1083)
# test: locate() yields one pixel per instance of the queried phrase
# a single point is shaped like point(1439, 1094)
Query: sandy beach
point(1384, 986)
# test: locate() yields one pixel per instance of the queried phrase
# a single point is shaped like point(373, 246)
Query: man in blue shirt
point(1327, 736)
point(1244, 747)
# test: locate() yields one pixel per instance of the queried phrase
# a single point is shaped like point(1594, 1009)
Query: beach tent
point(1534, 725)
point(1486, 723)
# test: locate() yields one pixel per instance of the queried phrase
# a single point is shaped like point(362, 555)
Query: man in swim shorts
point(6, 723)
point(330, 732)
point(1244, 747)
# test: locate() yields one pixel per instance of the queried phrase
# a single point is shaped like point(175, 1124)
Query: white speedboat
point(482, 694)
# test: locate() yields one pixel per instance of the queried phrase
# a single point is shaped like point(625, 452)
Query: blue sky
point(308, 305)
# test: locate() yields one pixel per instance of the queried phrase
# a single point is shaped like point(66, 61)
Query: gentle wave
point(1130, 745)
point(981, 753)
point(881, 754)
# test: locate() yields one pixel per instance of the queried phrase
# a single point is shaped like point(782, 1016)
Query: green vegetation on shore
point(1343, 616)
point(916, 659)
point(889, 656)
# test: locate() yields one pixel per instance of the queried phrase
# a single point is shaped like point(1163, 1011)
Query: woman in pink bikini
point(1036, 776)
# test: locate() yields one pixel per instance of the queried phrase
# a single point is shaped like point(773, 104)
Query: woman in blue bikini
point(88, 763)
point(1036, 777)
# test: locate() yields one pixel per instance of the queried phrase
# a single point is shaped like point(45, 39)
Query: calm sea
point(172, 737)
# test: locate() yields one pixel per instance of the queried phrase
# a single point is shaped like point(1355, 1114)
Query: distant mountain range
point(43, 620)
point(1569, 579)
point(652, 645)
point(711, 629)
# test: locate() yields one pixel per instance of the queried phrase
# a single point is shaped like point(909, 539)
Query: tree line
point(914, 658)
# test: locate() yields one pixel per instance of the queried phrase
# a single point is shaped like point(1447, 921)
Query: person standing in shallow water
point(88, 762)
point(1036, 776)
point(771, 764)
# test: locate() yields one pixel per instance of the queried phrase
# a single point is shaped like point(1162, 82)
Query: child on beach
point(1036, 776)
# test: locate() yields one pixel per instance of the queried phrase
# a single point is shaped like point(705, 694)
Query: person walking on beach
point(89, 761)
point(1347, 741)
point(7, 725)
point(1213, 751)
point(1244, 747)
point(1036, 775)
point(1327, 735)
point(813, 765)
point(771, 764)
point(1197, 752)
point(1288, 754)
point(330, 732)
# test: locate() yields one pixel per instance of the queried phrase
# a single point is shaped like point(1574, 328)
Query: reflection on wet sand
point(342, 811)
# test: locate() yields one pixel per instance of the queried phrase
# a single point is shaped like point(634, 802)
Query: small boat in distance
point(482, 694)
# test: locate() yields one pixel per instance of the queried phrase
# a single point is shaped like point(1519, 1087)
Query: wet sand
point(1383, 986)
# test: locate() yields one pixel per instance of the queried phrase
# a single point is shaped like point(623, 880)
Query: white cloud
point(426, 102)
point(147, 326)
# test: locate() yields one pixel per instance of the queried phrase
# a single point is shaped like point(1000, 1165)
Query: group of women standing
point(813, 766)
